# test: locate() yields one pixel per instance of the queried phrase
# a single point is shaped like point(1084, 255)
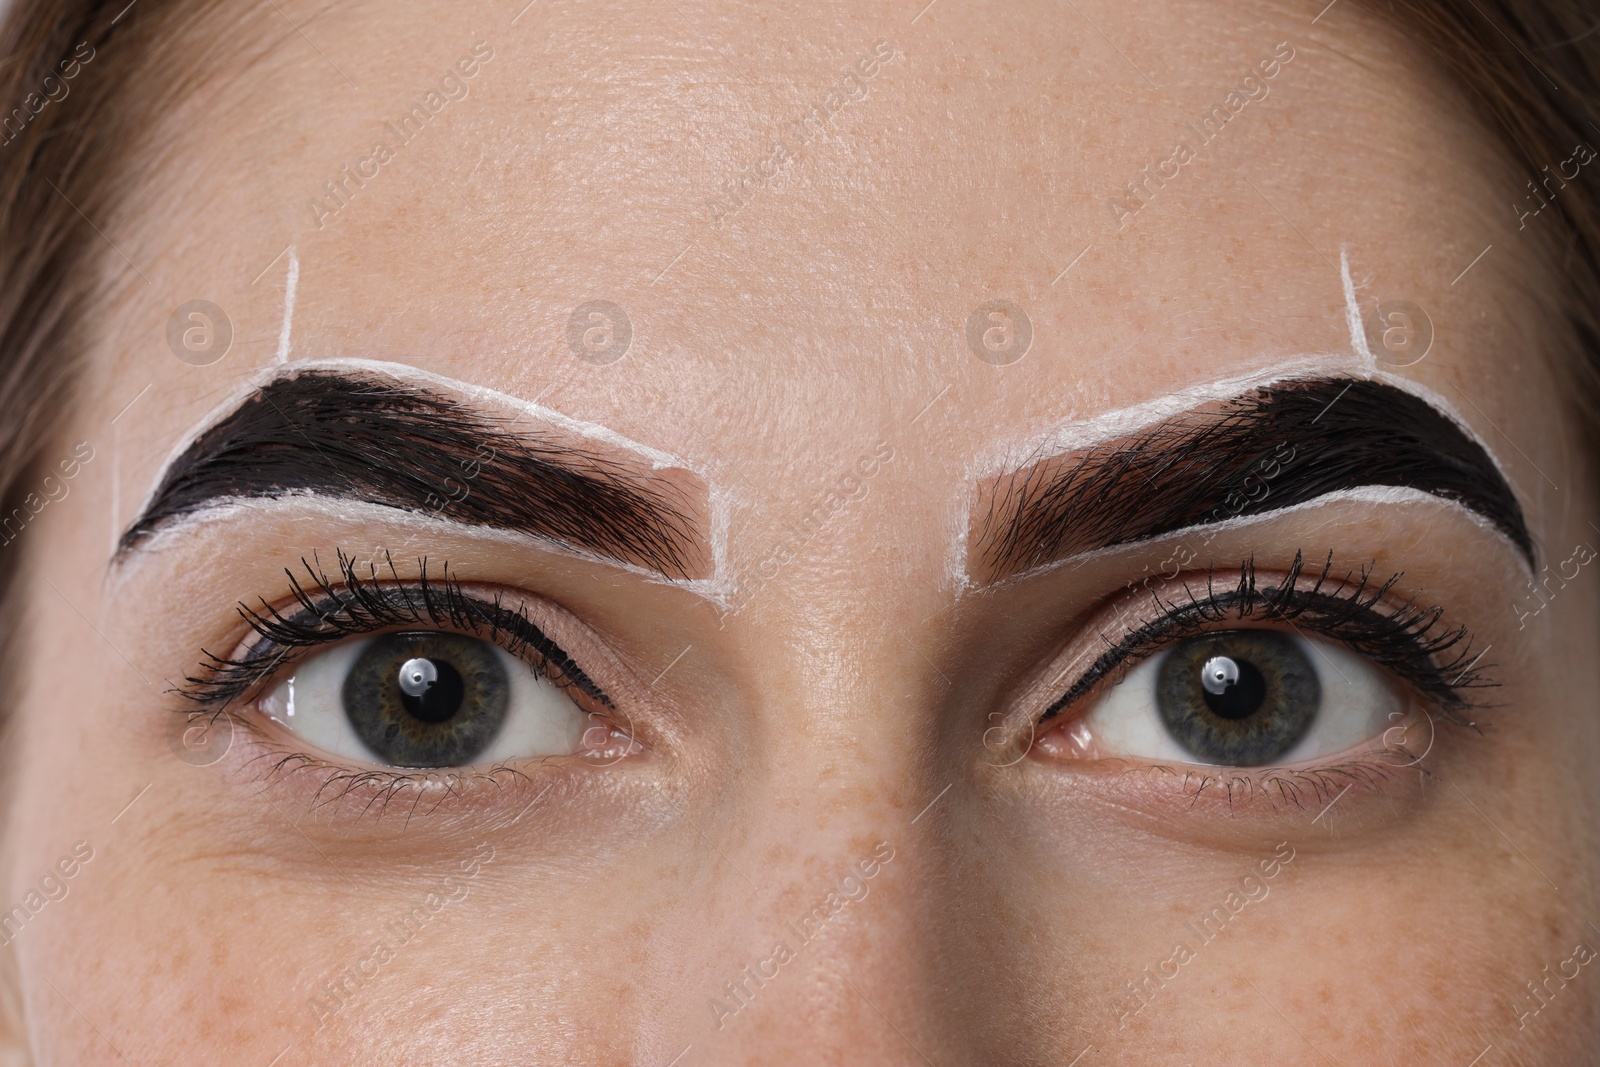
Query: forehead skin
point(772, 349)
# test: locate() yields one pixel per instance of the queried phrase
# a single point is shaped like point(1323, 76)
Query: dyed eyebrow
point(1270, 449)
point(357, 438)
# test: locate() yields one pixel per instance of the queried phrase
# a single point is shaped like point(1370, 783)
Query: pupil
point(1234, 688)
point(430, 689)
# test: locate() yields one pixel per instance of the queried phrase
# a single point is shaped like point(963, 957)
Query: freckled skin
point(845, 704)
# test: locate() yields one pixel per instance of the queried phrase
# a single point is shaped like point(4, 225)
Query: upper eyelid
point(259, 662)
point(224, 680)
point(1404, 619)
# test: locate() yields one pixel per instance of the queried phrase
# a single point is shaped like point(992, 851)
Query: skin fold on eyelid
point(1355, 607)
point(322, 609)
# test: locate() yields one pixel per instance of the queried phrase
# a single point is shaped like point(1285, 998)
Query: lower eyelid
point(1228, 806)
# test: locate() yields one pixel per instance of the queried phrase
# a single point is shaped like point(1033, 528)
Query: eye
point(1241, 698)
point(425, 699)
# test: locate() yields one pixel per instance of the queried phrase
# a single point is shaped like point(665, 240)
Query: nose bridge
point(816, 958)
point(823, 976)
point(825, 876)
point(883, 928)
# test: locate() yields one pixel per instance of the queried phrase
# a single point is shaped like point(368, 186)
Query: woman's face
point(960, 536)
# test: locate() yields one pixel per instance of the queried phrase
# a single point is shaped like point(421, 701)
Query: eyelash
point(1404, 638)
point(352, 605)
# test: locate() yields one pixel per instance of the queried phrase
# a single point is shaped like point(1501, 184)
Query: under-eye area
point(394, 680)
point(1245, 672)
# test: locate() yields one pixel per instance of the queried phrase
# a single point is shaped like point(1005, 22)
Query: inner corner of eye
point(1245, 697)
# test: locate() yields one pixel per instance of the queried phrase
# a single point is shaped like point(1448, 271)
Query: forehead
point(805, 225)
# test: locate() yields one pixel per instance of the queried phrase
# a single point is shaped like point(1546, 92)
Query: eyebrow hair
point(1294, 441)
point(356, 437)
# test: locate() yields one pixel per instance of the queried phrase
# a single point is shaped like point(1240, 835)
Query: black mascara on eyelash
point(1401, 637)
point(351, 605)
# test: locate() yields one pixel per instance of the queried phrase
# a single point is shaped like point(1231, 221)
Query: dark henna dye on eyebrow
point(1344, 433)
point(361, 438)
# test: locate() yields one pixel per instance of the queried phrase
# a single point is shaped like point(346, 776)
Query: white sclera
point(1357, 701)
point(541, 719)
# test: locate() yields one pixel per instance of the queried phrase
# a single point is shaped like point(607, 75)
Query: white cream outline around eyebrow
point(1084, 433)
point(290, 285)
point(1387, 495)
point(717, 588)
point(1352, 315)
point(1124, 422)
